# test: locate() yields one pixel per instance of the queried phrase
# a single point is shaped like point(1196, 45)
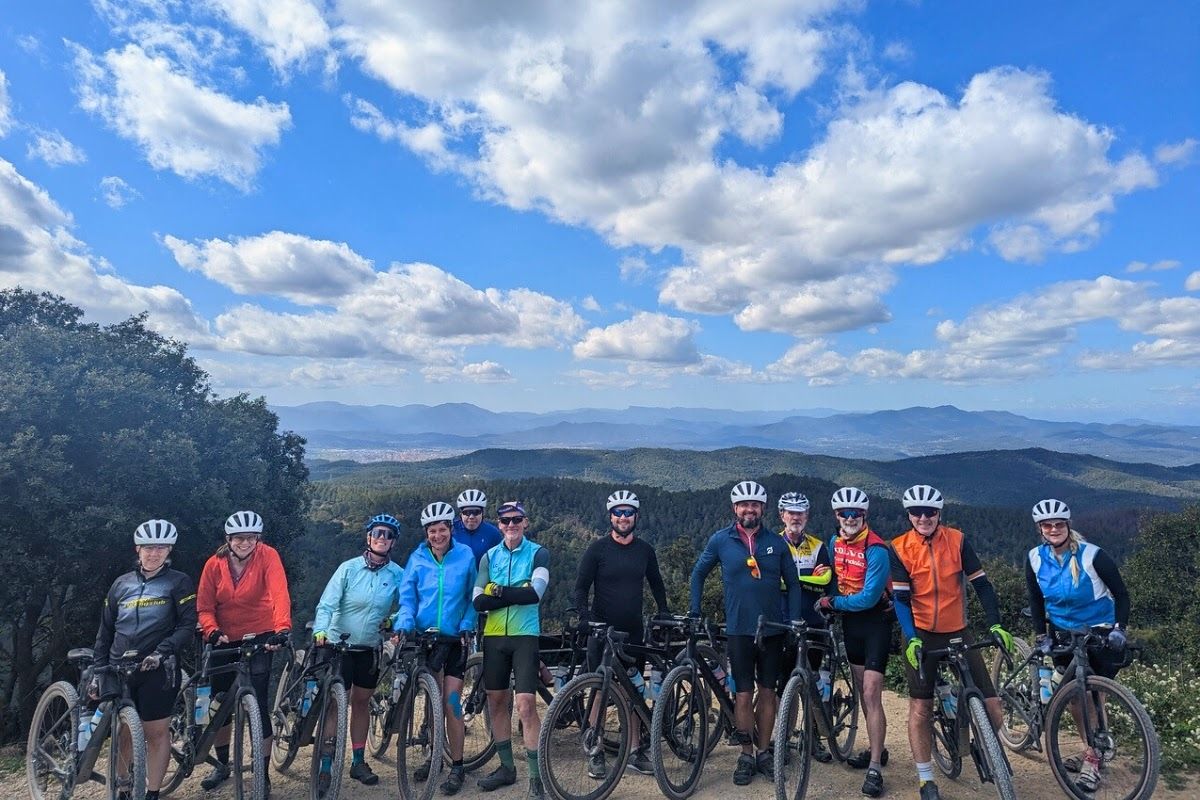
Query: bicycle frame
point(126, 665)
point(203, 737)
point(956, 657)
point(325, 672)
point(803, 636)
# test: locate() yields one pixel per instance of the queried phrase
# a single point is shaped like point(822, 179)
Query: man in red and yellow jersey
point(931, 566)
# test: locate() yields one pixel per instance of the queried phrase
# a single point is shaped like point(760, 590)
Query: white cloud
point(55, 149)
point(1192, 284)
point(897, 51)
point(116, 192)
point(30, 44)
point(479, 372)
point(1157, 266)
point(6, 119)
point(634, 269)
point(1177, 153)
point(306, 271)
point(596, 379)
point(181, 125)
point(590, 303)
point(646, 337)
point(253, 374)
point(289, 31)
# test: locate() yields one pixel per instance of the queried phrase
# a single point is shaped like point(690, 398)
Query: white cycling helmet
point(922, 495)
point(472, 498)
point(748, 490)
point(437, 512)
point(155, 531)
point(622, 497)
point(243, 522)
point(850, 497)
point(793, 501)
point(1051, 509)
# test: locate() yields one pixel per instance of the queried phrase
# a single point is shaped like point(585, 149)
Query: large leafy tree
point(102, 427)
point(1162, 576)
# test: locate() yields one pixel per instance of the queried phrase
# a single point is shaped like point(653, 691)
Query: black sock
point(458, 763)
point(152, 795)
point(222, 751)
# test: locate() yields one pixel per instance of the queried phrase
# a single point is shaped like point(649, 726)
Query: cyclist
point(471, 528)
point(859, 592)
point(753, 561)
point(436, 593)
point(931, 566)
point(243, 590)
point(151, 610)
point(1074, 584)
point(511, 583)
point(812, 565)
point(616, 567)
point(362, 593)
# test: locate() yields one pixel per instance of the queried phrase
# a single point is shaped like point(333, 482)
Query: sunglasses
point(382, 533)
point(923, 511)
point(752, 563)
point(623, 512)
point(471, 512)
point(851, 513)
point(1053, 526)
point(511, 520)
point(243, 538)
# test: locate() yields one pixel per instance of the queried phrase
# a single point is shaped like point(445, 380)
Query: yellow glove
point(910, 652)
point(493, 590)
point(319, 638)
point(1004, 636)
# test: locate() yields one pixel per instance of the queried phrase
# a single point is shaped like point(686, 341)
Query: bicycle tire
point(181, 761)
point(247, 723)
point(944, 738)
point(843, 709)
point(285, 717)
point(1151, 753)
point(477, 717)
point(54, 727)
point(1017, 698)
point(127, 717)
point(679, 706)
point(334, 693)
point(990, 749)
point(580, 691)
point(428, 734)
point(382, 711)
point(793, 740)
point(715, 714)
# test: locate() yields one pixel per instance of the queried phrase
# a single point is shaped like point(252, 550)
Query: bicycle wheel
point(285, 717)
point(793, 740)
point(843, 710)
point(246, 755)
point(179, 764)
point(329, 743)
point(986, 745)
point(714, 660)
point(126, 740)
point(420, 737)
point(51, 747)
point(478, 746)
point(1018, 697)
point(946, 751)
point(1122, 735)
point(379, 732)
point(567, 752)
point(678, 732)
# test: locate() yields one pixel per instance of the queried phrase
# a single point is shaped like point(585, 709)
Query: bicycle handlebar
point(924, 655)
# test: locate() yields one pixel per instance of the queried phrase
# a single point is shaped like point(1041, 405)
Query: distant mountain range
point(335, 430)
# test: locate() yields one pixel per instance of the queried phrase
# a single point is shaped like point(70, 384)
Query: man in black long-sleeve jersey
point(614, 568)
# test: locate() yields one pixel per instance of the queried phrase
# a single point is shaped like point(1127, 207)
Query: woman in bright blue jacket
point(436, 593)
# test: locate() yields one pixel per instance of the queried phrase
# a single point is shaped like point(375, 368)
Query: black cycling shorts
point(868, 636)
point(154, 693)
point(791, 654)
point(510, 655)
point(360, 668)
point(449, 658)
point(260, 680)
point(750, 664)
point(923, 690)
point(1104, 661)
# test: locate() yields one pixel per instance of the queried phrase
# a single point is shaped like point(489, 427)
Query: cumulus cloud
point(191, 129)
point(1157, 266)
point(306, 271)
point(478, 372)
point(1176, 153)
point(1192, 284)
point(590, 303)
point(646, 337)
point(116, 192)
point(290, 32)
point(55, 149)
point(6, 119)
point(897, 51)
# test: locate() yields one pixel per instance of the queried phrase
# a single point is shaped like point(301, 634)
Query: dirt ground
point(1033, 778)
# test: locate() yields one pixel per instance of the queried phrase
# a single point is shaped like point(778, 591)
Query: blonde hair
point(1074, 540)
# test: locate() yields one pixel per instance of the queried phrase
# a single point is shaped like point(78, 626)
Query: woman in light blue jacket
point(362, 593)
point(436, 593)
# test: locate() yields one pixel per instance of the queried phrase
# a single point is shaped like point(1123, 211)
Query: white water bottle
point(86, 726)
point(825, 684)
point(1046, 683)
point(656, 679)
point(398, 681)
point(560, 676)
point(203, 700)
point(310, 693)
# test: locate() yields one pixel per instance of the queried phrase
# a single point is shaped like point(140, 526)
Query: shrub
point(1172, 697)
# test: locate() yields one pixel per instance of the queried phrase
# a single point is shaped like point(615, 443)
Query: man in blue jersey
point(471, 528)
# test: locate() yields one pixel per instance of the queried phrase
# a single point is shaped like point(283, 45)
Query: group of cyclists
point(468, 567)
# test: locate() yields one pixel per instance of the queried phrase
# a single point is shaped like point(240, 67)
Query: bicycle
point(307, 688)
point(952, 732)
point(804, 701)
point(415, 714)
point(194, 728)
point(1112, 722)
point(57, 759)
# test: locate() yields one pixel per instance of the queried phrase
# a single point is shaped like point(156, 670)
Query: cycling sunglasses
point(510, 520)
point(623, 512)
point(752, 563)
point(923, 511)
point(381, 533)
point(851, 513)
point(471, 512)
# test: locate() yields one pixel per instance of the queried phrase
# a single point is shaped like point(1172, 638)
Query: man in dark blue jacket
point(471, 528)
point(753, 563)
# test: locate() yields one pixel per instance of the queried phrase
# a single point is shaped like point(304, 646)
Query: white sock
point(924, 771)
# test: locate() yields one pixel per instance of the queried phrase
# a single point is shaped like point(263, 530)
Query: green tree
point(100, 429)
point(1161, 577)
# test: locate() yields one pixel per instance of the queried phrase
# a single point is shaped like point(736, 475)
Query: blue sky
point(543, 205)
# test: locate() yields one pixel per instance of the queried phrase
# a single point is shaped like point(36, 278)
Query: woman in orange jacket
point(243, 590)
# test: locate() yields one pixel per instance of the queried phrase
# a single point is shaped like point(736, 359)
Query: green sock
point(504, 749)
point(533, 763)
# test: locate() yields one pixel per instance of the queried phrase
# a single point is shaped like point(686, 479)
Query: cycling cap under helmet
point(850, 497)
point(793, 501)
point(243, 522)
point(622, 497)
point(922, 495)
point(155, 531)
point(472, 498)
point(748, 490)
point(437, 512)
point(1051, 509)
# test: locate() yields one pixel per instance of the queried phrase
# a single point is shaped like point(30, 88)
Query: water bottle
point(948, 699)
point(86, 726)
point(1057, 677)
point(203, 699)
point(560, 677)
point(214, 704)
point(723, 678)
point(399, 679)
point(1046, 683)
point(310, 693)
point(825, 684)
point(656, 679)
point(639, 680)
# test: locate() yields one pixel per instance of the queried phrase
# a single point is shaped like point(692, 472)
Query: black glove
point(215, 635)
point(1044, 643)
point(280, 637)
